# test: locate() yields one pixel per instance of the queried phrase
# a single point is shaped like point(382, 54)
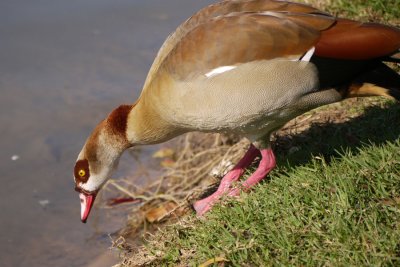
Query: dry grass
point(189, 171)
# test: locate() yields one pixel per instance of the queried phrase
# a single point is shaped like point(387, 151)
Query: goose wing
point(243, 37)
point(221, 9)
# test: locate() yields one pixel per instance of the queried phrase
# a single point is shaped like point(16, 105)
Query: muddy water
point(63, 66)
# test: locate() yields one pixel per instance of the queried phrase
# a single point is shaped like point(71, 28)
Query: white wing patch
point(272, 14)
point(219, 70)
point(307, 56)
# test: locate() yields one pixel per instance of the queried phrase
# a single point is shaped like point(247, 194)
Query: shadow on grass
point(375, 126)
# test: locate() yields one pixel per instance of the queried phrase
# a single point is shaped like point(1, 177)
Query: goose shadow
point(375, 126)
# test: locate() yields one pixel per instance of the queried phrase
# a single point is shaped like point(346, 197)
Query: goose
point(245, 67)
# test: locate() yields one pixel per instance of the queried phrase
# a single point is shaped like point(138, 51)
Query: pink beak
point(86, 205)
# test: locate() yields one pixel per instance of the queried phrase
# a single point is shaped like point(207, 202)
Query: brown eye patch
point(81, 170)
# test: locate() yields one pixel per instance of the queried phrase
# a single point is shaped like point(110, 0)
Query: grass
point(333, 200)
point(344, 213)
point(366, 10)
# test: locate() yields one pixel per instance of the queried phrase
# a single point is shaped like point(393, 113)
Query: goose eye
point(81, 173)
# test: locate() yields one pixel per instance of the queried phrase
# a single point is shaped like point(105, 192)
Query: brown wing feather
point(354, 40)
point(221, 9)
point(243, 37)
point(226, 7)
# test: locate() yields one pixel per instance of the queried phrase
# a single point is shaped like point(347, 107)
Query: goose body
point(252, 115)
point(244, 67)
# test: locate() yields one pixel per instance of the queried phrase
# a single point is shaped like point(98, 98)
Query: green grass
point(377, 9)
point(340, 208)
point(373, 10)
point(343, 213)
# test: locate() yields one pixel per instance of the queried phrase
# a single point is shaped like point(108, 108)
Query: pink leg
point(202, 206)
point(267, 163)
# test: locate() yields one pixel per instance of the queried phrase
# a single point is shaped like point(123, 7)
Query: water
point(63, 66)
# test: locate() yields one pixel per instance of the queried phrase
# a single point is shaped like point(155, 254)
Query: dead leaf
point(391, 202)
point(160, 212)
point(167, 163)
point(121, 200)
point(164, 153)
point(212, 261)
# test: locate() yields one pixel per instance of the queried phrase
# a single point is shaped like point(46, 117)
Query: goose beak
point(86, 205)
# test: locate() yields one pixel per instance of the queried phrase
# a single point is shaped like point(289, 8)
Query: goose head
point(126, 126)
point(99, 157)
